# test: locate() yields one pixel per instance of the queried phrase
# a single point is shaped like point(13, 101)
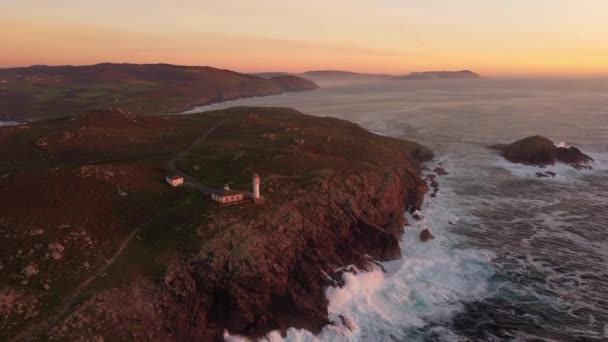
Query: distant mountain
point(326, 75)
point(55, 91)
point(291, 83)
point(271, 74)
point(340, 75)
point(433, 75)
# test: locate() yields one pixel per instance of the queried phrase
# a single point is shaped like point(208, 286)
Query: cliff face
point(335, 194)
point(269, 267)
point(277, 278)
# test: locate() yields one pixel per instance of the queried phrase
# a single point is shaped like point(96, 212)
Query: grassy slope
point(40, 187)
point(46, 92)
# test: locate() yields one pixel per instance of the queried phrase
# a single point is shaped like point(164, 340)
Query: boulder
point(573, 156)
point(441, 171)
point(540, 151)
point(426, 235)
point(56, 247)
point(535, 150)
point(30, 270)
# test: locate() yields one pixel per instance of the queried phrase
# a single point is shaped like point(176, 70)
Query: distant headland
point(339, 75)
point(42, 92)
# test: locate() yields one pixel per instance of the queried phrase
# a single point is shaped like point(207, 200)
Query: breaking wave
point(429, 284)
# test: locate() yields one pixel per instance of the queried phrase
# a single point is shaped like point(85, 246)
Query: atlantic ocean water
point(516, 257)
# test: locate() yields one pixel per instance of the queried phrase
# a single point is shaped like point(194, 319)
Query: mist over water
point(516, 257)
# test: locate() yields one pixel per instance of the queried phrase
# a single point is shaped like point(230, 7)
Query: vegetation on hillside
point(40, 92)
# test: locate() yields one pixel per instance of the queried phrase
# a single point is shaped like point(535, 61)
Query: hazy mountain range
point(338, 75)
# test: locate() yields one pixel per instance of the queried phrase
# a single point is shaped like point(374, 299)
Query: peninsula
point(98, 245)
point(43, 92)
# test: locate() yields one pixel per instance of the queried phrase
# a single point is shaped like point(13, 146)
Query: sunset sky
point(493, 37)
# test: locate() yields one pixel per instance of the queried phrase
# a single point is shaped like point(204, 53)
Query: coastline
point(258, 269)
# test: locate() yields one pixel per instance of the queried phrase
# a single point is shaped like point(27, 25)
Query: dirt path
point(34, 332)
point(172, 167)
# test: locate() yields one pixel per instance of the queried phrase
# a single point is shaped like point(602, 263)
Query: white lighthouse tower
point(257, 199)
point(256, 186)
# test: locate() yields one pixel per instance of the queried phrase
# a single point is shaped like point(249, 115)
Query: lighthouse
point(256, 186)
point(257, 198)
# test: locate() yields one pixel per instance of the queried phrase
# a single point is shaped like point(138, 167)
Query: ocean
point(516, 257)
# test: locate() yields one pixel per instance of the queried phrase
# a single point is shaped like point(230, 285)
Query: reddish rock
point(440, 171)
point(426, 235)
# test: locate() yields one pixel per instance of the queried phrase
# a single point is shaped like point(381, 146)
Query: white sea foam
point(563, 173)
point(428, 284)
point(461, 119)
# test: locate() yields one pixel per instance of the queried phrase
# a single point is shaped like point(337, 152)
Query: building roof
point(174, 177)
point(224, 193)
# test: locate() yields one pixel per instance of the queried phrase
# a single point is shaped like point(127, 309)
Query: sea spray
point(428, 284)
point(549, 275)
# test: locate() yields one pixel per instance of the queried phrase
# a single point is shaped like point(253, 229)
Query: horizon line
point(510, 75)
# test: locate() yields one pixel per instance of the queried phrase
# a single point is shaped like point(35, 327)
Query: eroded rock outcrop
point(426, 235)
point(278, 279)
point(573, 156)
point(540, 151)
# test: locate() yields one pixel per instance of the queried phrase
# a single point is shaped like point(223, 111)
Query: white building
point(227, 196)
point(175, 180)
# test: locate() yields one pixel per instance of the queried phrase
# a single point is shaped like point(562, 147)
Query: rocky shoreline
point(312, 242)
point(258, 269)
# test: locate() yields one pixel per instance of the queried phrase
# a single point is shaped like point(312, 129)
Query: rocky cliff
point(274, 278)
point(335, 193)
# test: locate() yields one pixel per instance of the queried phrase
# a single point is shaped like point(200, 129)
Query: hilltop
point(97, 245)
point(39, 92)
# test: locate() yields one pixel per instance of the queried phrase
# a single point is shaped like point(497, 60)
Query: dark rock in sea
point(417, 215)
point(347, 323)
point(574, 157)
point(426, 235)
point(440, 171)
point(545, 174)
point(540, 151)
point(535, 150)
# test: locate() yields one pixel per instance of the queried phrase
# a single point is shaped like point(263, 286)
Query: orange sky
point(493, 37)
